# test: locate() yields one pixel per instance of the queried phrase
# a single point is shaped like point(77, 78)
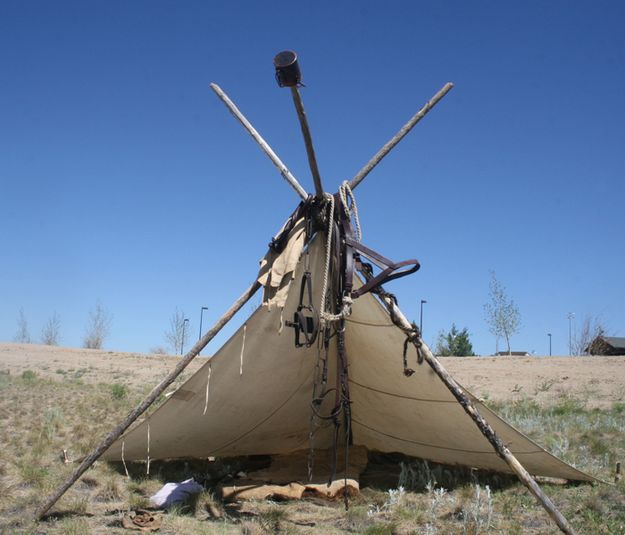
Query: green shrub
point(29, 376)
point(119, 391)
point(381, 528)
point(618, 407)
point(568, 406)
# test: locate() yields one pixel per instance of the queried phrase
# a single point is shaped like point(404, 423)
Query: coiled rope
point(348, 200)
point(326, 270)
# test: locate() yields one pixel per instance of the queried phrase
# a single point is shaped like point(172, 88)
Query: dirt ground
point(599, 380)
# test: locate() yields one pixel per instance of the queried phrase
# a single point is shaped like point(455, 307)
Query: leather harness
point(346, 256)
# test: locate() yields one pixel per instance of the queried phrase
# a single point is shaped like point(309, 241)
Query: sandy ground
point(598, 380)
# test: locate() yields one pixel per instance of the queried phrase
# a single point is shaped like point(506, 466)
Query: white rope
point(208, 382)
point(242, 349)
point(345, 192)
point(346, 311)
point(326, 269)
point(123, 460)
point(351, 210)
point(148, 460)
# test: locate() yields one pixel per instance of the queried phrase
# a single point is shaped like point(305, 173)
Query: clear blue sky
point(123, 179)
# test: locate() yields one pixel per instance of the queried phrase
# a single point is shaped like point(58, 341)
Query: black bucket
point(287, 69)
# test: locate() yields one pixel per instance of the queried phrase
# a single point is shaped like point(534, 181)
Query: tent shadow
point(209, 473)
point(386, 471)
point(383, 471)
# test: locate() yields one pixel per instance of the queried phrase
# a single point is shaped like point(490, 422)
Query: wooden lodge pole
point(284, 171)
point(481, 423)
point(310, 151)
point(403, 131)
point(152, 396)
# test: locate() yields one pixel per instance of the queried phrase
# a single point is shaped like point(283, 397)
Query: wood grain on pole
point(310, 150)
point(400, 135)
point(481, 423)
point(152, 396)
point(284, 171)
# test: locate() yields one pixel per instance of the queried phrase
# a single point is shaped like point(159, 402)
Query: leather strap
point(390, 270)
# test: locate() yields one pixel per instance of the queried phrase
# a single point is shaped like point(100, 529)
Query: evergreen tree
point(455, 343)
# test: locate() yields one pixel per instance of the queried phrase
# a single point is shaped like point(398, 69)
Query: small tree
point(591, 329)
point(455, 343)
point(178, 332)
point(502, 314)
point(51, 330)
point(22, 336)
point(98, 327)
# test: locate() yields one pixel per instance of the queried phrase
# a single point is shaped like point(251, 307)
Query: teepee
point(328, 361)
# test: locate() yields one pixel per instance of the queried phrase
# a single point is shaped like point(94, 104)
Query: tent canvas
point(254, 397)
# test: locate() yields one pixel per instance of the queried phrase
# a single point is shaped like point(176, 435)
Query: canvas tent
point(327, 361)
point(254, 397)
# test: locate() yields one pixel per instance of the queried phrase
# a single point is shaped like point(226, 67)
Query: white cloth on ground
point(172, 493)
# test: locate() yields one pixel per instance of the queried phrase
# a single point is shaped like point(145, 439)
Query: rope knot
point(412, 336)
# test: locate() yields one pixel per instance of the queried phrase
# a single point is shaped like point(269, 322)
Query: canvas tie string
point(208, 382)
point(123, 460)
point(148, 459)
point(242, 349)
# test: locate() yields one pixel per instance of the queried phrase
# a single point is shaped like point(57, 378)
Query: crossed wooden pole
point(392, 308)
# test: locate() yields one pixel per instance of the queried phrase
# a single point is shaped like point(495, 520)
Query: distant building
point(512, 354)
point(607, 345)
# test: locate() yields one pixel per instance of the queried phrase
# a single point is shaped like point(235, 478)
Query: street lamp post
point(570, 316)
point(421, 318)
point(549, 335)
point(201, 314)
point(184, 326)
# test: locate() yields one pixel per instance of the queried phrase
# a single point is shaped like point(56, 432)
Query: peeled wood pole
point(288, 176)
point(312, 159)
point(141, 408)
point(481, 423)
point(400, 135)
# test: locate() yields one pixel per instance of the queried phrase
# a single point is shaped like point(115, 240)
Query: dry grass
point(39, 417)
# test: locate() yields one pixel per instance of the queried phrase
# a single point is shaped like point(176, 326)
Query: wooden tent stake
point(152, 396)
point(287, 175)
point(481, 423)
point(310, 151)
point(403, 131)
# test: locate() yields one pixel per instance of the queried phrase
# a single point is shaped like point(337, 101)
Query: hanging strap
point(305, 318)
point(278, 243)
point(390, 270)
